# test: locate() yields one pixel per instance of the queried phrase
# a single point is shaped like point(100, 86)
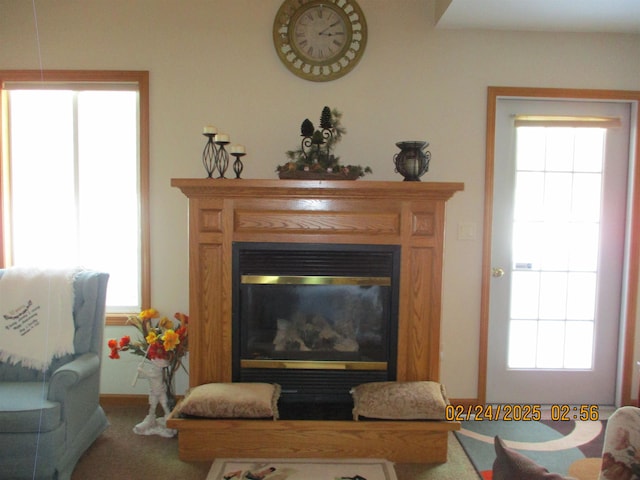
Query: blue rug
point(554, 445)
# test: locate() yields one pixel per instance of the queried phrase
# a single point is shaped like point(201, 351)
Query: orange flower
point(165, 323)
point(171, 340)
point(162, 339)
point(149, 313)
point(151, 338)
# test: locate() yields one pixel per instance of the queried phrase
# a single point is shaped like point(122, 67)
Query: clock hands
point(330, 34)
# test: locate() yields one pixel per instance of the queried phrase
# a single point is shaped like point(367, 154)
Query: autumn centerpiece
point(315, 159)
point(164, 343)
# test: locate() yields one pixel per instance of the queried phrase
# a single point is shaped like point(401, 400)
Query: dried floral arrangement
point(315, 158)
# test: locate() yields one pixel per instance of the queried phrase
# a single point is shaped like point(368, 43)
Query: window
point(555, 248)
point(75, 177)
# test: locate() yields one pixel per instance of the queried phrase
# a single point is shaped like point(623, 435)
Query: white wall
point(213, 62)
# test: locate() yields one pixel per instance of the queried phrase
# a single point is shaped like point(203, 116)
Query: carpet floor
point(561, 447)
point(120, 453)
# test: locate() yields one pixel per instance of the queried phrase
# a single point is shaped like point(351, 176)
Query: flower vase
point(153, 371)
point(170, 387)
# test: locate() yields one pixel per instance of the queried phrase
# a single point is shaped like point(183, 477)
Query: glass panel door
point(557, 249)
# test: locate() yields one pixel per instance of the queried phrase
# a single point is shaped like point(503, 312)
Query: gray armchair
point(48, 419)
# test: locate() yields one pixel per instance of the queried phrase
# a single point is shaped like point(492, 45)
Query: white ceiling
point(541, 15)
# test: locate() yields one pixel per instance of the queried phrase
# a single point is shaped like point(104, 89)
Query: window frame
point(141, 79)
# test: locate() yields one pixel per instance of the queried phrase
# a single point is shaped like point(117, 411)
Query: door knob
point(497, 272)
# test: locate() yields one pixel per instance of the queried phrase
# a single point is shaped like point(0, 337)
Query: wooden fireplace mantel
point(223, 211)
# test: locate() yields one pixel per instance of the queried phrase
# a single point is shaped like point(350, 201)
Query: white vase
point(153, 425)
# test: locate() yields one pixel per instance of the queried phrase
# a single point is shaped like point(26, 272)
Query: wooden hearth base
point(397, 441)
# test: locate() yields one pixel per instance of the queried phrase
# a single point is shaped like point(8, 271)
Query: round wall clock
point(320, 40)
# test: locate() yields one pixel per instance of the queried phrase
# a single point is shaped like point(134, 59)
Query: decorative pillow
point(510, 465)
point(232, 400)
point(400, 400)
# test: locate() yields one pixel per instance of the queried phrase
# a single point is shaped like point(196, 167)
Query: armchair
point(49, 418)
point(620, 455)
point(621, 450)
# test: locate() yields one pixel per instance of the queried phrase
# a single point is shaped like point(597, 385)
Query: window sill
point(117, 319)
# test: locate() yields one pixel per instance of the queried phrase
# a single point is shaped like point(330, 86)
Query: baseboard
point(116, 399)
point(109, 399)
point(465, 402)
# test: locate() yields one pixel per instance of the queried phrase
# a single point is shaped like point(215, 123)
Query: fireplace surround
point(408, 215)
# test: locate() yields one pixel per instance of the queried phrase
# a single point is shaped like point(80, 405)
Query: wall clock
point(320, 40)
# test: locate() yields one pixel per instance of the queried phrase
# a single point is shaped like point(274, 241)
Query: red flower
point(182, 332)
point(182, 318)
point(160, 340)
point(156, 351)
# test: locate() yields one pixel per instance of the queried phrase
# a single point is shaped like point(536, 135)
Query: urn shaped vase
point(412, 161)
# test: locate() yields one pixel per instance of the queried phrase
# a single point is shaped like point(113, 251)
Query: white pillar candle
point(222, 137)
point(237, 149)
point(209, 130)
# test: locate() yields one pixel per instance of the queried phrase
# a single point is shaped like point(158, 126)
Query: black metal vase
point(412, 161)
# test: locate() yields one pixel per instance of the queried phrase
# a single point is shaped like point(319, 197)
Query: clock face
point(320, 40)
point(320, 33)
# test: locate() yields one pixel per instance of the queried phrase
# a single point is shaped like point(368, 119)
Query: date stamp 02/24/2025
point(520, 412)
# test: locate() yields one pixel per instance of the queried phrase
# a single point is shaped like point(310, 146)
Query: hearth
point(317, 319)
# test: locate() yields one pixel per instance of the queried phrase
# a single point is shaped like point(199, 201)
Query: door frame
point(631, 265)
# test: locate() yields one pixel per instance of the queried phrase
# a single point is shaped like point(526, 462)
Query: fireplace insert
point(317, 319)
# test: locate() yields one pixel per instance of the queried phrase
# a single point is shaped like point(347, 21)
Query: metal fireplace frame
point(314, 382)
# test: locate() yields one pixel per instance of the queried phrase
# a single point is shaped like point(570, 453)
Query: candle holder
point(312, 142)
point(210, 155)
point(237, 163)
point(222, 157)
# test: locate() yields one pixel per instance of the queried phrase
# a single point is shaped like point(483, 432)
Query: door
point(559, 213)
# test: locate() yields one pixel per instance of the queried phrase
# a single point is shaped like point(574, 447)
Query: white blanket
point(36, 315)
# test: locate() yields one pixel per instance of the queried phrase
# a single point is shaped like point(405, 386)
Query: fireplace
point(317, 319)
point(410, 215)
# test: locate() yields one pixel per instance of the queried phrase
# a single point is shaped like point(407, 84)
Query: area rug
point(561, 447)
point(301, 469)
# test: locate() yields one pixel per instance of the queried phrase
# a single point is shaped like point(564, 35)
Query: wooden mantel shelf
point(223, 211)
point(203, 187)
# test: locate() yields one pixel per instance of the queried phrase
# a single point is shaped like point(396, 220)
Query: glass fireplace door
point(316, 319)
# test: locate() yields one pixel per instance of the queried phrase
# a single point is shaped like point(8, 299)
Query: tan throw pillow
point(232, 400)
point(400, 400)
